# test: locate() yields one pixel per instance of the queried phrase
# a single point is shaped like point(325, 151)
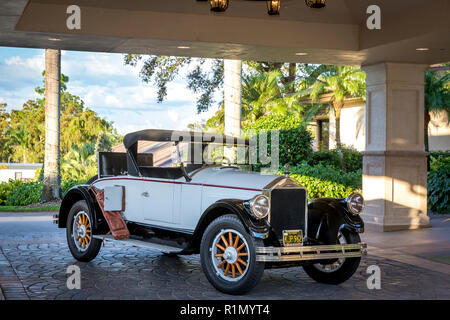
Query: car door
point(155, 196)
point(190, 201)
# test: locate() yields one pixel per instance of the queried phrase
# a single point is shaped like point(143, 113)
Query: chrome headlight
point(260, 206)
point(355, 203)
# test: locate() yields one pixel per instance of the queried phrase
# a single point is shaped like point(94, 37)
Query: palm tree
point(260, 93)
point(80, 162)
point(341, 82)
point(437, 98)
point(51, 189)
point(20, 138)
point(265, 93)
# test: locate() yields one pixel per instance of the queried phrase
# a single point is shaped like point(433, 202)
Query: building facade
point(18, 171)
point(353, 127)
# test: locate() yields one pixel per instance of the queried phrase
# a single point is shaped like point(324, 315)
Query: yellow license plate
point(292, 238)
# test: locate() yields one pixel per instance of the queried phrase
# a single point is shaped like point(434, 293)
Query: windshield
point(212, 153)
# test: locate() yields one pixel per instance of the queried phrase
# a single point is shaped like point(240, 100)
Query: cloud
point(36, 63)
point(173, 115)
point(106, 85)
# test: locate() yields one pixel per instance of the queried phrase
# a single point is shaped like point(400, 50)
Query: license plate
point(292, 238)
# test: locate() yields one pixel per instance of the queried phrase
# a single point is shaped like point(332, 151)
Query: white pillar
point(332, 129)
point(394, 165)
point(232, 97)
point(232, 94)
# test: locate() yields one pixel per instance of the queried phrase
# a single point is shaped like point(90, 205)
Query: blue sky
point(106, 85)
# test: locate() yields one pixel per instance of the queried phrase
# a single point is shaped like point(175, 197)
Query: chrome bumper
point(303, 253)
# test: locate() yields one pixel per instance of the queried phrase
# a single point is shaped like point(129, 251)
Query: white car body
point(179, 204)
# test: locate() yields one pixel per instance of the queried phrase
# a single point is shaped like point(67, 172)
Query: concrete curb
point(11, 286)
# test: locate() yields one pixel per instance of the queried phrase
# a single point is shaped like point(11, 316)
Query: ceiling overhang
point(334, 35)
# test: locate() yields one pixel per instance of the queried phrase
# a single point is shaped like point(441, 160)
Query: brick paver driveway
point(33, 265)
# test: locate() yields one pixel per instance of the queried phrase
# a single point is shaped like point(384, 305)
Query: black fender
point(327, 216)
point(257, 228)
point(77, 193)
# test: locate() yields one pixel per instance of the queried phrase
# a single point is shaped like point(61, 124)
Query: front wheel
point(79, 233)
point(338, 270)
point(228, 256)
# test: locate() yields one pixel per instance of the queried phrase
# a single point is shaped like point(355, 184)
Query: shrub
point(295, 141)
point(439, 183)
point(326, 181)
point(5, 189)
point(18, 193)
point(324, 158)
point(66, 185)
point(352, 159)
point(24, 194)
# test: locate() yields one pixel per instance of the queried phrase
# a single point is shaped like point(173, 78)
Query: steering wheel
point(223, 158)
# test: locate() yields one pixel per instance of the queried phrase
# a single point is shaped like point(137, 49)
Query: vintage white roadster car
point(240, 222)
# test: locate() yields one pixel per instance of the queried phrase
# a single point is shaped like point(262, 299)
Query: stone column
point(332, 129)
point(232, 97)
point(394, 165)
point(51, 188)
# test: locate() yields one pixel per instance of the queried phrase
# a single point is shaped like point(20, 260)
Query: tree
point(340, 81)
point(51, 188)
point(20, 138)
point(437, 98)
point(205, 76)
point(79, 125)
point(260, 91)
point(30, 118)
point(263, 94)
point(5, 150)
point(79, 163)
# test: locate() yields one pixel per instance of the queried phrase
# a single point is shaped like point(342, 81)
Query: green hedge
point(326, 181)
point(24, 194)
point(18, 193)
point(352, 159)
point(5, 189)
point(439, 182)
point(295, 140)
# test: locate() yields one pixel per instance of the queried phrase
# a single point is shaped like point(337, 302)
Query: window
point(323, 130)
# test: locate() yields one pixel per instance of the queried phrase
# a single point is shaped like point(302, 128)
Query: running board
point(140, 243)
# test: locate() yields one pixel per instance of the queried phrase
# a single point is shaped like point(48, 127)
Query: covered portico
point(414, 34)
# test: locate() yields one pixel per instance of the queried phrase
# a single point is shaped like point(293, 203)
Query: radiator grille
point(287, 210)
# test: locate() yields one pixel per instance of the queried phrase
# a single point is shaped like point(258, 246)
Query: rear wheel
point(228, 256)
point(339, 270)
point(79, 233)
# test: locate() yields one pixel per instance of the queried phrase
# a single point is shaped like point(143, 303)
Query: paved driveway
point(34, 259)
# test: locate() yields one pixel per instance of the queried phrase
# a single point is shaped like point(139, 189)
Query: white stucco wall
point(353, 127)
point(8, 170)
point(439, 132)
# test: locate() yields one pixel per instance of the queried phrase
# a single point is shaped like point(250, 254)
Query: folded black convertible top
point(173, 135)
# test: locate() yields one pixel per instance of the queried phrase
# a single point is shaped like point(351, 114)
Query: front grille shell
point(288, 206)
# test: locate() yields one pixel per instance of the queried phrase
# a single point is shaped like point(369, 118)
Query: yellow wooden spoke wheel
point(230, 255)
point(82, 231)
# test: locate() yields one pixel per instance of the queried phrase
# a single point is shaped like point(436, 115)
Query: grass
point(20, 209)
point(442, 259)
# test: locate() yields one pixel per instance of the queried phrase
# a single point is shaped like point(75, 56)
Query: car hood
point(233, 177)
